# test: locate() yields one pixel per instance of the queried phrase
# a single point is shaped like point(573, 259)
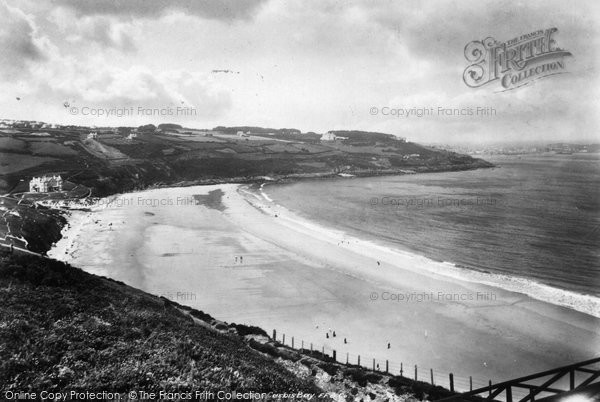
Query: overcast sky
point(316, 66)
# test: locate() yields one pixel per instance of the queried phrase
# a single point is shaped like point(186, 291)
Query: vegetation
point(62, 329)
point(169, 126)
point(65, 330)
point(115, 163)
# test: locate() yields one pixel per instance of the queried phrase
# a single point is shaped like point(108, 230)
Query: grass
point(62, 329)
point(113, 164)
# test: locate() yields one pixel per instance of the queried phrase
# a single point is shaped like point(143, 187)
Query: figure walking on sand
point(241, 259)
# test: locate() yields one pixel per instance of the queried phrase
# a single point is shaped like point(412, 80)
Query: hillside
point(112, 162)
point(64, 330)
point(125, 159)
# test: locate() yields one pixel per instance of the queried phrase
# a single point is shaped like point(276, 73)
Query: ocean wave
point(576, 301)
point(583, 303)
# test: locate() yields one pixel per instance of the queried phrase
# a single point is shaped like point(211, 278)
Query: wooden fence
point(447, 380)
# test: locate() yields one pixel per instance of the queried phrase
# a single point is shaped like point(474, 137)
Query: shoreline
point(580, 302)
point(296, 278)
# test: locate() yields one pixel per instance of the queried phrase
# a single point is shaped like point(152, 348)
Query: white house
point(46, 184)
point(328, 136)
point(92, 136)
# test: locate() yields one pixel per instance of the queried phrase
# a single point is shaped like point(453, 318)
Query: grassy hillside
point(63, 329)
point(115, 162)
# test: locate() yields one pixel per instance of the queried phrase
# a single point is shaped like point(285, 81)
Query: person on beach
point(334, 334)
point(345, 341)
point(327, 335)
point(236, 259)
point(389, 346)
point(241, 259)
point(378, 263)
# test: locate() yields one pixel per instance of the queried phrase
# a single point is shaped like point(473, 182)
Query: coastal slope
point(303, 279)
point(64, 329)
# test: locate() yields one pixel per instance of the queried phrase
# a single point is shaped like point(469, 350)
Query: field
point(11, 163)
point(51, 149)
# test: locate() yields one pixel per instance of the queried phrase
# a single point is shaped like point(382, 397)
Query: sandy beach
point(247, 260)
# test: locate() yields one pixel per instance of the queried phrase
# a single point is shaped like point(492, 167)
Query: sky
point(312, 65)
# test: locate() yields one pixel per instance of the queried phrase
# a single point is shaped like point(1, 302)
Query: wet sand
point(303, 280)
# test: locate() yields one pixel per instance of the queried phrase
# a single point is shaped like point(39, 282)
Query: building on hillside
point(328, 136)
point(132, 135)
point(92, 136)
point(46, 184)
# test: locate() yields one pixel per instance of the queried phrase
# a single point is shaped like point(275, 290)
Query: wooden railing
point(579, 375)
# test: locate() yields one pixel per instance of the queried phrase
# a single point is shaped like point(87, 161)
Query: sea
point(530, 224)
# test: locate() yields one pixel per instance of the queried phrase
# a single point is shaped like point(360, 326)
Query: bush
point(362, 377)
point(201, 316)
point(329, 368)
point(244, 330)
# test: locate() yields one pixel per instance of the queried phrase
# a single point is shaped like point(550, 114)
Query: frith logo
point(516, 62)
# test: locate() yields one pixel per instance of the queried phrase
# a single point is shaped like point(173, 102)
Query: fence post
point(283, 339)
point(387, 366)
point(347, 357)
point(490, 391)
point(415, 372)
point(401, 370)
point(470, 383)
point(292, 342)
point(509, 394)
point(373, 364)
point(311, 348)
point(451, 382)
point(335, 355)
point(323, 351)
point(274, 334)
point(359, 360)
point(302, 344)
point(431, 372)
